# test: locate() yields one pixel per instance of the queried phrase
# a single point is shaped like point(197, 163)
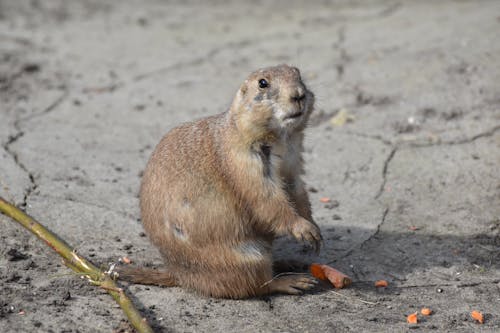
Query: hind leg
point(245, 281)
point(143, 275)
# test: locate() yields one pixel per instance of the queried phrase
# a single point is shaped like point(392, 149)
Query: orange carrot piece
point(426, 311)
point(337, 278)
point(381, 283)
point(317, 271)
point(126, 260)
point(477, 316)
point(324, 200)
point(325, 272)
point(412, 318)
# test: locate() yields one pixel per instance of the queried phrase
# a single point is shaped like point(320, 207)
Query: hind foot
point(291, 284)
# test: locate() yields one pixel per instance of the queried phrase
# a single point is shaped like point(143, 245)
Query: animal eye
point(263, 83)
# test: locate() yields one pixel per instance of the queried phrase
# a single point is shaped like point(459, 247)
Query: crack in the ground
point(377, 230)
point(389, 10)
point(344, 58)
point(193, 62)
point(471, 139)
point(45, 111)
point(377, 196)
point(180, 64)
point(7, 147)
point(166, 69)
point(19, 134)
point(139, 77)
point(456, 285)
point(345, 255)
point(91, 204)
point(376, 137)
point(17, 39)
point(387, 161)
point(384, 171)
point(410, 144)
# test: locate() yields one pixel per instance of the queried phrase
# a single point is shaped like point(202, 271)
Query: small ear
point(295, 70)
point(244, 88)
point(238, 98)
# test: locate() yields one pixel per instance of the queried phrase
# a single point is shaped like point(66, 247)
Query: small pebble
point(31, 68)
point(67, 296)
point(14, 255)
point(312, 189)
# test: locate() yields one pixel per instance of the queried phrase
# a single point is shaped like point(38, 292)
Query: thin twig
point(78, 264)
point(277, 276)
point(354, 298)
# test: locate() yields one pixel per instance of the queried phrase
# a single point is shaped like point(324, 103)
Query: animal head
point(273, 100)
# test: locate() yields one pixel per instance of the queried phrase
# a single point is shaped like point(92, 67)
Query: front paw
point(303, 230)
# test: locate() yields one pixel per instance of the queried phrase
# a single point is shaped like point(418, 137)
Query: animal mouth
point(294, 115)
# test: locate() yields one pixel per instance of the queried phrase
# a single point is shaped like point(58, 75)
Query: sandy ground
point(88, 88)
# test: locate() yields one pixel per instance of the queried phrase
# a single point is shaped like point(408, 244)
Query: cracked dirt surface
point(88, 88)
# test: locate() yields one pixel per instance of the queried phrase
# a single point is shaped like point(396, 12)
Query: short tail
point(143, 275)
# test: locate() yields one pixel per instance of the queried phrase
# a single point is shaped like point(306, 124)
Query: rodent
point(217, 191)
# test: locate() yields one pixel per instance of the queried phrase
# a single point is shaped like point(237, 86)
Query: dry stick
point(277, 276)
point(354, 298)
point(78, 264)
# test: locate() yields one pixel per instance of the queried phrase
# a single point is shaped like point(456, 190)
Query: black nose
point(298, 98)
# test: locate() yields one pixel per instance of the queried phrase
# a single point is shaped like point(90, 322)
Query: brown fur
point(217, 191)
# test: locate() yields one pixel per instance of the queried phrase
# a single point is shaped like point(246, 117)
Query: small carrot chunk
point(412, 318)
point(478, 316)
point(126, 260)
point(325, 272)
point(337, 278)
point(325, 200)
point(317, 271)
point(426, 311)
point(381, 283)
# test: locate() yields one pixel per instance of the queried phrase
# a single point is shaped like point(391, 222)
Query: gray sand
point(88, 88)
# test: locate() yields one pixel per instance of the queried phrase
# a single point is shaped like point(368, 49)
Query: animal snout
point(298, 97)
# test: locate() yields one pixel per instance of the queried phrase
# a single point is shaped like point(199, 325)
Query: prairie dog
point(217, 191)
